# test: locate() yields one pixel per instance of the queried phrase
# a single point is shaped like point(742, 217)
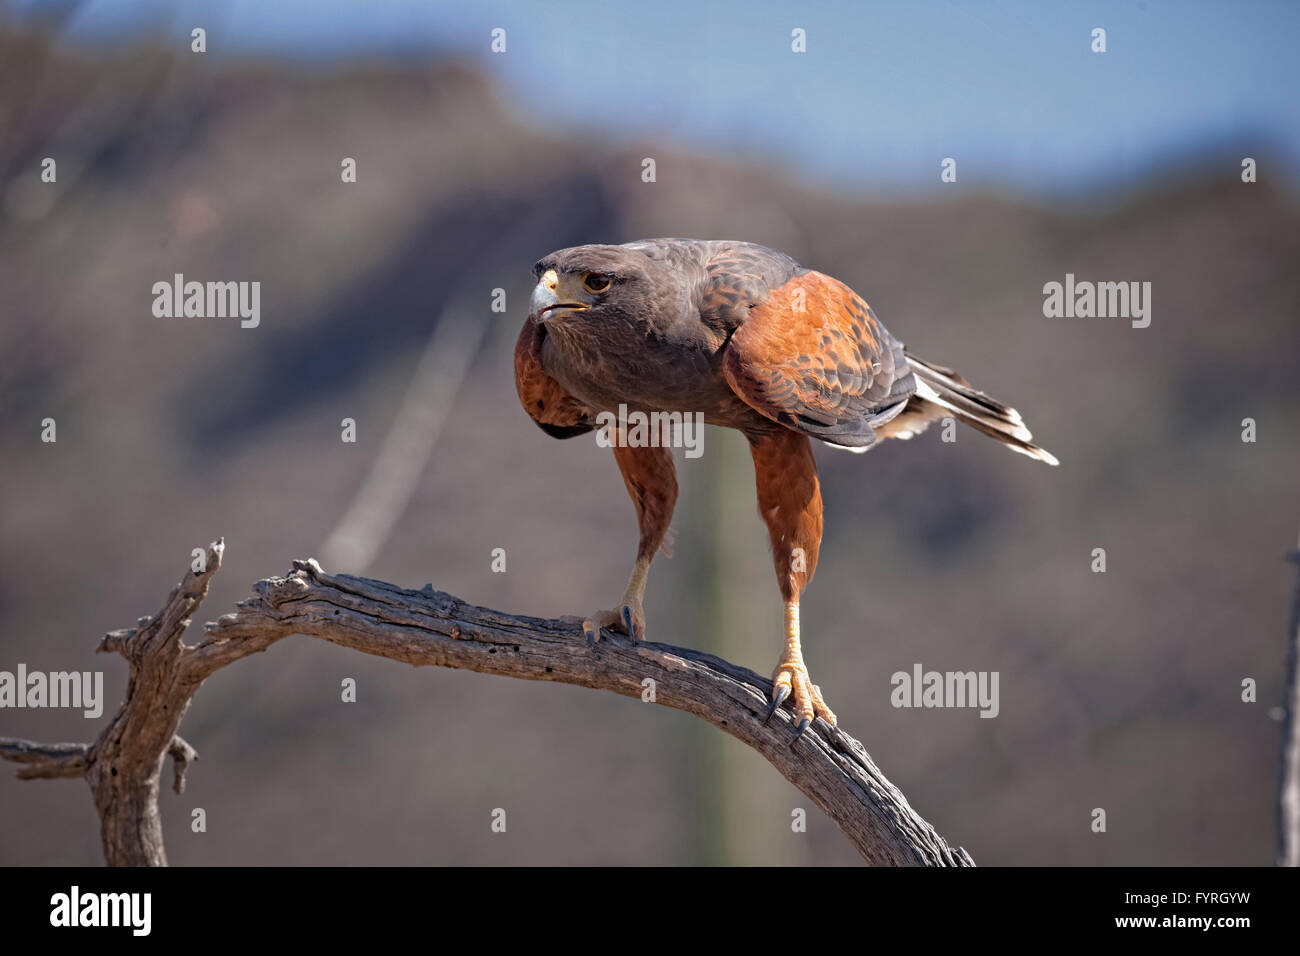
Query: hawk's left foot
point(628, 618)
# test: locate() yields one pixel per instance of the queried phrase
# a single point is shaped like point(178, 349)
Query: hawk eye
point(595, 282)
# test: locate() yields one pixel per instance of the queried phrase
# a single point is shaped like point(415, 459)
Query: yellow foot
point(627, 617)
point(790, 680)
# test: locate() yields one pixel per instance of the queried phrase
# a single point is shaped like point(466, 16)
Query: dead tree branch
point(428, 627)
point(45, 761)
point(1288, 796)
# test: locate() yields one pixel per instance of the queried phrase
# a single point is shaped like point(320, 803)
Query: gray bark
point(428, 627)
point(1288, 797)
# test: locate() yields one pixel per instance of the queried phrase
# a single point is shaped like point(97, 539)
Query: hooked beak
point(546, 303)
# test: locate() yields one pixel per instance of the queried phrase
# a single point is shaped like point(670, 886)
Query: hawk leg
point(790, 502)
point(652, 483)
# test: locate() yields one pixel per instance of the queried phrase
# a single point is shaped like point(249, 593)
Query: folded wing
point(813, 357)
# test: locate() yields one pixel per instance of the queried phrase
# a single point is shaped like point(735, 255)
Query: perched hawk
point(755, 342)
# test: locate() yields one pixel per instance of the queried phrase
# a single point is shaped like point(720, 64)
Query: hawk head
point(603, 293)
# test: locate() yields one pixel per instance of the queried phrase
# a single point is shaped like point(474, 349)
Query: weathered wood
point(1288, 778)
point(45, 761)
point(428, 627)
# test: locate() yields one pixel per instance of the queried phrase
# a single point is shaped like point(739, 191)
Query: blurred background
point(1119, 690)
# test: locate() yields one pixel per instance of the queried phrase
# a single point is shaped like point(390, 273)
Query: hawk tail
point(941, 392)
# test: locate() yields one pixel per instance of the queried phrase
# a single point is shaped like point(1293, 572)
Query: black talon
point(627, 621)
point(782, 692)
point(798, 731)
point(592, 635)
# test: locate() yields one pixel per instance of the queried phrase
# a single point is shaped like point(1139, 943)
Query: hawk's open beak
point(547, 300)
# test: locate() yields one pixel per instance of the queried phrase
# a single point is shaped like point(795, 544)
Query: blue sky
point(883, 93)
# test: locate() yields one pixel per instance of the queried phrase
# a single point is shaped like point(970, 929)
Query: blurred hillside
point(1119, 690)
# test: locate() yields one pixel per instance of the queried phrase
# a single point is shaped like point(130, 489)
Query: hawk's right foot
point(791, 680)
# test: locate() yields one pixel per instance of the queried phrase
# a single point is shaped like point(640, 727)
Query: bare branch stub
point(125, 762)
point(429, 627)
point(182, 755)
point(45, 761)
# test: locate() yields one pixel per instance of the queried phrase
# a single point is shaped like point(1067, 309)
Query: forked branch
point(428, 627)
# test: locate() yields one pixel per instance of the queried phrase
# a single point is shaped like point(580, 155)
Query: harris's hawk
point(755, 342)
